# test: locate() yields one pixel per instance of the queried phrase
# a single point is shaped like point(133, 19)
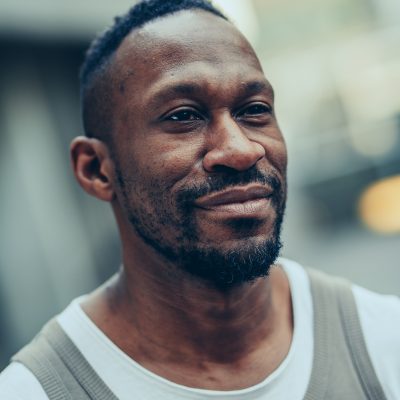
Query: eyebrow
point(255, 87)
point(192, 88)
point(179, 89)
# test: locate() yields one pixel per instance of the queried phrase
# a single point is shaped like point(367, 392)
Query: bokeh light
point(379, 206)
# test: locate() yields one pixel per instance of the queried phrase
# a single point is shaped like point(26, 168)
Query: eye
point(183, 115)
point(255, 111)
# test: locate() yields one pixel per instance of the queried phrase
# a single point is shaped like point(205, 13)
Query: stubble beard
point(223, 268)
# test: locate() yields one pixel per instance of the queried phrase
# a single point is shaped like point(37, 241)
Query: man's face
point(199, 157)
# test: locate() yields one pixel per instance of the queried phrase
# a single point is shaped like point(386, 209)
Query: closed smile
point(246, 200)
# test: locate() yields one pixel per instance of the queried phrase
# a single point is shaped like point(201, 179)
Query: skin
point(190, 102)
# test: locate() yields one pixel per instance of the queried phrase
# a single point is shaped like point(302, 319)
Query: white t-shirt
point(380, 321)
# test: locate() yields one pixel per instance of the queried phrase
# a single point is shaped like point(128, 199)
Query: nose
point(229, 147)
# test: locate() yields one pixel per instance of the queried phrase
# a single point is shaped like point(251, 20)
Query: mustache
point(220, 182)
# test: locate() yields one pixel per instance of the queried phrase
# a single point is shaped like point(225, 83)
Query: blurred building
point(335, 66)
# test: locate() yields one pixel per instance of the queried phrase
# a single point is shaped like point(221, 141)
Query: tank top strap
point(342, 367)
point(60, 367)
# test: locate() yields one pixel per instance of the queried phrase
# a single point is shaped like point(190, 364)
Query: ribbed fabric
point(94, 387)
point(341, 370)
point(60, 367)
point(41, 359)
point(357, 347)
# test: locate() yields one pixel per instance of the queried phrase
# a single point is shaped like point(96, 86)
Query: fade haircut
point(96, 81)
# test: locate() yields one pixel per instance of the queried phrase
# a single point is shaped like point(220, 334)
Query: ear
point(93, 167)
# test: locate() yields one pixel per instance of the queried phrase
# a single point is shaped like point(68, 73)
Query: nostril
point(223, 169)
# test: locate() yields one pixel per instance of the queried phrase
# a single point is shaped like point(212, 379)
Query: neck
point(164, 319)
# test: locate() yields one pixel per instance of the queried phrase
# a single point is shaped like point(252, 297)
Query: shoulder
point(380, 321)
point(377, 307)
point(18, 383)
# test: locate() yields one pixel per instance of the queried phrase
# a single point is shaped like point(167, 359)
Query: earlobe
point(93, 167)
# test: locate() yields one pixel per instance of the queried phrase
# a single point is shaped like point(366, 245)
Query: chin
point(232, 263)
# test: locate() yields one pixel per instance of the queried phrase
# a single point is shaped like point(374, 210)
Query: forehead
point(188, 46)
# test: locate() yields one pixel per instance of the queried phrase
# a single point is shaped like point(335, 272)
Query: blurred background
point(335, 66)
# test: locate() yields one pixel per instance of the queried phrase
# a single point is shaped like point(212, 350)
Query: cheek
point(282, 157)
point(171, 158)
point(276, 154)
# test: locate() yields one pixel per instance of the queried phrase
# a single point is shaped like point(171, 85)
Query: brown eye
point(184, 116)
point(255, 110)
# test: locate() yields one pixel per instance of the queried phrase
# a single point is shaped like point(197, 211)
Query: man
point(182, 140)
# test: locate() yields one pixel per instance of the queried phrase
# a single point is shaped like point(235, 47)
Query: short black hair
point(94, 80)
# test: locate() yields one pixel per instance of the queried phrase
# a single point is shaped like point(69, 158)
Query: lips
point(239, 197)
